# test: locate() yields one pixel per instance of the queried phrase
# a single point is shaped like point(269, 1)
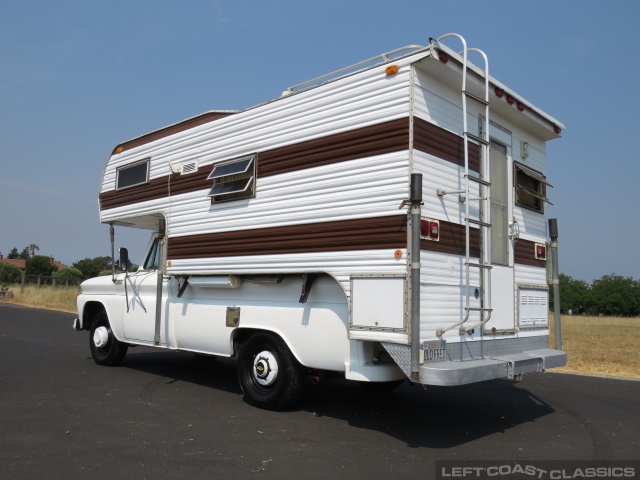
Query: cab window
point(151, 262)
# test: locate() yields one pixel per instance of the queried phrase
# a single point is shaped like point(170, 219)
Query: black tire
point(112, 351)
point(269, 375)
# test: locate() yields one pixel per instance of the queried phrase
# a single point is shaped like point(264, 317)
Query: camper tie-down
point(385, 222)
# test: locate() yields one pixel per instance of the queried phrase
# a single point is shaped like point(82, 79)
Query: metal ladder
point(484, 205)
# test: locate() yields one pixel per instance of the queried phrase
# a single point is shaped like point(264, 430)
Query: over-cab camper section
point(310, 194)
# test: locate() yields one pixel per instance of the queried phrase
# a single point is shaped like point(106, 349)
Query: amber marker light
point(398, 254)
point(119, 149)
point(391, 70)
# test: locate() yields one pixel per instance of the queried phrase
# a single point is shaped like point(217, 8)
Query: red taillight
point(557, 129)
point(424, 228)
point(541, 251)
point(510, 100)
point(521, 106)
point(443, 57)
point(430, 229)
point(499, 92)
point(434, 230)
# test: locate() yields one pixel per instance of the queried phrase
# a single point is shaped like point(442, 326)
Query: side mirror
point(124, 258)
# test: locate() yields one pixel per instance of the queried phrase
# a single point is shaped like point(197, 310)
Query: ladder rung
point(476, 98)
point(478, 265)
point(478, 180)
point(478, 222)
point(476, 138)
point(479, 309)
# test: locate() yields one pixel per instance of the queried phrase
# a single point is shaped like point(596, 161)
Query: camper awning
point(532, 173)
point(539, 181)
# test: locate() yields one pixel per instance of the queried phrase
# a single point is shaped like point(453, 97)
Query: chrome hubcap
point(100, 337)
point(265, 368)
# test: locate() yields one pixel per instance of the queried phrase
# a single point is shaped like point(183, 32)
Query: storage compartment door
point(378, 303)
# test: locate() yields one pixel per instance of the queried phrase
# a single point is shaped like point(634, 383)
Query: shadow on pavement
point(432, 417)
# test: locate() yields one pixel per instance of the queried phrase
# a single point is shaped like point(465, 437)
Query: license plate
point(435, 351)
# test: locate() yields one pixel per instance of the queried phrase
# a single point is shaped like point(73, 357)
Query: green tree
point(24, 255)
point(91, 267)
point(32, 249)
point(40, 265)
point(9, 274)
point(615, 295)
point(574, 295)
point(13, 254)
point(69, 273)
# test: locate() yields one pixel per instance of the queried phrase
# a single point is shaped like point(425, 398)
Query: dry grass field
point(594, 345)
point(600, 345)
point(53, 298)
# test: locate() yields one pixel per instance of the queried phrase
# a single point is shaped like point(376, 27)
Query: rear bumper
point(477, 361)
point(503, 366)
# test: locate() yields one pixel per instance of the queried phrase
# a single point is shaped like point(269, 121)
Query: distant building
point(22, 264)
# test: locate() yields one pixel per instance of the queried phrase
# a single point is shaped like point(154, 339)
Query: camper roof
point(411, 54)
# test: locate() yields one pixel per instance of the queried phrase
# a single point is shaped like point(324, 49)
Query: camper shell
point(386, 221)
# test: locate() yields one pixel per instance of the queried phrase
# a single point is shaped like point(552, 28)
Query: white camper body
point(285, 222)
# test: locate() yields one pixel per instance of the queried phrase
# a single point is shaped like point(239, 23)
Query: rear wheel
point(269, 375)
point(106, 349)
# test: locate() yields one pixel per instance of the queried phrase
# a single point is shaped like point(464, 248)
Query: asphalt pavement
point(170, 415)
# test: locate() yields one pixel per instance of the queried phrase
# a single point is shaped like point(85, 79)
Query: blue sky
point(78, 77)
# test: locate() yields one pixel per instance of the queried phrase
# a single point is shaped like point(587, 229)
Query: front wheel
point(106, 349)
point(269, 375)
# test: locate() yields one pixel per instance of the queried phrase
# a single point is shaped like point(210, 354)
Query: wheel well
point(239, 336)
point(91, 309)
point(242, 334)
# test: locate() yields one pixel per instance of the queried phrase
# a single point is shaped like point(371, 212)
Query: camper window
point(132, 175)
point(530, 188)
point(233, 180)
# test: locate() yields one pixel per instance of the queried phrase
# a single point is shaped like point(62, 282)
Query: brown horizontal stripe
point(157, 188)
point(373, 140)
point(524, 252)
point(444, 144)
point(377, 139)
point(453, 240)
point(364, 142)
point(359, 234)
point(170, 130)
point(346, 235)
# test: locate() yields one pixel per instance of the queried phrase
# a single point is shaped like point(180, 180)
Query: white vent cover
point(533, 306)
point(189, 167)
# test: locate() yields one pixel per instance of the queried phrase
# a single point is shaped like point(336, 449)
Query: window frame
point(119, 170)
point(151, 261)
point(244, 178)
point(538, 195)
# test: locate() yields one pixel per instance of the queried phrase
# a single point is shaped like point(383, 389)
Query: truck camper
point(385, 221)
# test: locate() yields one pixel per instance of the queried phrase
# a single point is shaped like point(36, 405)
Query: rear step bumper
point(502, 366)
point(479, 361)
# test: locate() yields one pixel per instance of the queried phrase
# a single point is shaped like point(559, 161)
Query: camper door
point(502, 240)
